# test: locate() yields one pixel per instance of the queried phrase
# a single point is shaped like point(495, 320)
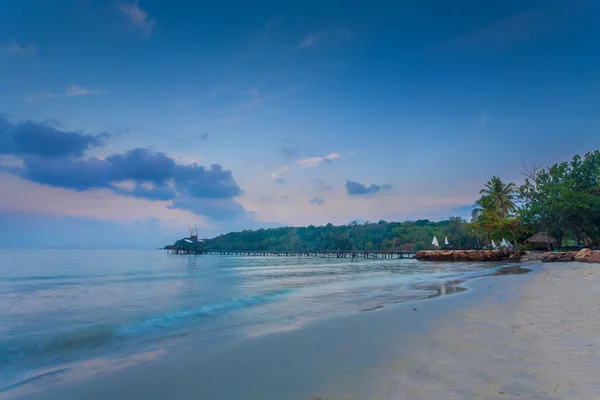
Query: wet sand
point(542, 343)
point(528, 336)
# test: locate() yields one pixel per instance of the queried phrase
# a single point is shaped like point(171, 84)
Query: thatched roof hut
point(542, 238)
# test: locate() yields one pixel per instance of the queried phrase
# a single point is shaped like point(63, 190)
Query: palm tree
point(497, 197)
point(483, 206)
point(497, 201)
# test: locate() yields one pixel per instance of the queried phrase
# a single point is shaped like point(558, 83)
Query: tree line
point(562, 201)
point(382, 235)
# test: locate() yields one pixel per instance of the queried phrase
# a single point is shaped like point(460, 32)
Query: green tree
point(498, 198)
point(564, 199)
point(493, 210)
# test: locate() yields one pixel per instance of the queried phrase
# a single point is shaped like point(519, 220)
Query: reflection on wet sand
point(452, 287)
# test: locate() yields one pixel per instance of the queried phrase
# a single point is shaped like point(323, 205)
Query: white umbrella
point(446, 241)
point(493, 243)
point(434, 242)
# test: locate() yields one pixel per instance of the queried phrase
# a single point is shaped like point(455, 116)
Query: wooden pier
point(372, 254)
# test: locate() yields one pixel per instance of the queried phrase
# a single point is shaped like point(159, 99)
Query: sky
point(123, 122)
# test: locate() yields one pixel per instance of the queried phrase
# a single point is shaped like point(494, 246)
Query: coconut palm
point(496, 203)
point(483, 206)
point(497, 197)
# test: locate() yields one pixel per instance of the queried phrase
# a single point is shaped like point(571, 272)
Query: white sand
point(544, 343)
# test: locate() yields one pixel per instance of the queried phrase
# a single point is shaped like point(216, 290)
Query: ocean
point(64, 308)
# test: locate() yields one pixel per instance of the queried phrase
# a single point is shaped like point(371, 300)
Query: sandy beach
point(541, 343)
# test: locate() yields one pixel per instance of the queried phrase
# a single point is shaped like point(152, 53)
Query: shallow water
point(69, 306)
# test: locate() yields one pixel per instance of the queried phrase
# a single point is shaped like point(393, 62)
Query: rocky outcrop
point(560, 257)
point(583, 255)
point(594, 257)
point(469, 255)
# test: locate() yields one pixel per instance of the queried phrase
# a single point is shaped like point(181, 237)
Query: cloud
point(314, 38)
point(71, 91)
point(527, 26)
point(117, 131)
point(290, 151)
point(53, 157)
point(358, 189)
point(155, 176)
point(137, 17)
point(75, 90)
point(311, 162)
point(280, 181)
point(323, 185)
point(308, 162)
point(311, 40)
point(317, 201)
point(280, 170)
point(9, 49)
point(217, 209)
point(44, 139)
point(463, 211)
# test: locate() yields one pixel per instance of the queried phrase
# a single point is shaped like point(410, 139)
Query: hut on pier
point(189, 245)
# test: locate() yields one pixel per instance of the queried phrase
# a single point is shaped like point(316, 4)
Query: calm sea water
point(59, 307)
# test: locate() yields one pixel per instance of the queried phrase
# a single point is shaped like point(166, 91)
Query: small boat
point(446, 241)
point(494, 244)
point(435, 242)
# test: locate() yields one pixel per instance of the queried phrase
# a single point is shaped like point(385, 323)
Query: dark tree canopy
point(401, 236)
point(564, 199)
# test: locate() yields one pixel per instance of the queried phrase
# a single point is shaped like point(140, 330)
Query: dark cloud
point(67, 173)
point(218, 209)
point(152, 192)
point(291, 152)
point(156, 175)
point(323, 185)
point(280, 181)
point(358, 189)
point(45, 139)
point(317, 201)
point(141, 165)
point(200, 182)
point(54, 157)
point(290, 149)
point(116, 131)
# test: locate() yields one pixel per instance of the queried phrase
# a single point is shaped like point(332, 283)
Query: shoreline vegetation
point(556, 208)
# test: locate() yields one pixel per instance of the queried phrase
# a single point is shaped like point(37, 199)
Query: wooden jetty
point(368, 254)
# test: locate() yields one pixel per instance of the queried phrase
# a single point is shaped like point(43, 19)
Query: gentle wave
point(176, 318)
point(99, 335)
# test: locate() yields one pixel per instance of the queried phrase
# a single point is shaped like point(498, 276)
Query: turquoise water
point(62, 307)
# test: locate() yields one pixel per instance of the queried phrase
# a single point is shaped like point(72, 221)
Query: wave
point(176, 318)
point(99, 335)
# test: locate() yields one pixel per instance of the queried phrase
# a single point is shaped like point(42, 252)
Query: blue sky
point(137, 119)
